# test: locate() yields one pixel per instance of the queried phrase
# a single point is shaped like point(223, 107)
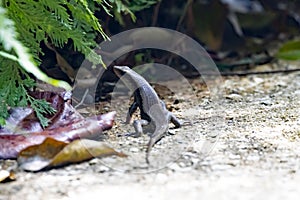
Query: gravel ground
point(256, 155)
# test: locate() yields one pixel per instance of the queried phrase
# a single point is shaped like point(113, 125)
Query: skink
point(153, 111)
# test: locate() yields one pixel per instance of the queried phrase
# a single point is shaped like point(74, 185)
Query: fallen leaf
point(52, 153)
point(22, 127)
point(84, 149)
point(24, 120)
point(11, 144)
point(289, 51)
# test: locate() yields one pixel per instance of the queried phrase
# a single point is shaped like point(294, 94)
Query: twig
point(188, 3)
point(155, 14)
point(247, 73)
point(259, 72)
point(83, 98)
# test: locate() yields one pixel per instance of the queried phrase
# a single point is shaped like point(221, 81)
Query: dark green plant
point(289, 50)
point(24, 24)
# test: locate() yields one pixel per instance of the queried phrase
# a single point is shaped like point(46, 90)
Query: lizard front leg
point(138, 126)
point(130, 112)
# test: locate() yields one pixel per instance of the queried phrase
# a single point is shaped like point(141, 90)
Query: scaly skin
point(153, 111)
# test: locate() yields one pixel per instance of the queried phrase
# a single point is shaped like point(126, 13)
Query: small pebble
point(174, 167)
point(234, 157)
point(3, 175)
point(172, 132)
point(221, 167)
point(195, 160)
point(93, 161)
point(134, 149)
point(182, 164)
point(266, 102)
point(253, 158)
point(234, 97)
point(103, 169)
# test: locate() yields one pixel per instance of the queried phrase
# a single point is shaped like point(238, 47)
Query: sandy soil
point(255, 156)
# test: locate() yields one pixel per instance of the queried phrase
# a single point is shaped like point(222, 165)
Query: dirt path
point(255, 157)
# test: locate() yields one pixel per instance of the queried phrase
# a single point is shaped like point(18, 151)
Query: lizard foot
point(135, 135)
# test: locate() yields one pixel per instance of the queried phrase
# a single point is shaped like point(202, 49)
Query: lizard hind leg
point(138, 127)
point(174, 120)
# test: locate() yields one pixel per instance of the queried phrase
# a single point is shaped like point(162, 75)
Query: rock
point(103, 169)
point(134, 149)
point(172, 132)
point(234, 97)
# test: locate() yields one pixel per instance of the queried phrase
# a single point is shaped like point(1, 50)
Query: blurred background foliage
point(58, 35)
point(234, 32)
point(241, 26)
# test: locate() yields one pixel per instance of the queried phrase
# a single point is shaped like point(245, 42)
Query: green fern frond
point(28, 23)
point(41, 107)
point(59, 10)
point(129, 7)
point(13, 95)
point(137, 5)
point(57, 21)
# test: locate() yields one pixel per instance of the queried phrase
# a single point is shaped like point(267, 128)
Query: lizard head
point(121, 70)
point(130, 78)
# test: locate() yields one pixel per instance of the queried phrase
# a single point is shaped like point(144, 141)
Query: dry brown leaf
point(52, 153)
point(66, 128)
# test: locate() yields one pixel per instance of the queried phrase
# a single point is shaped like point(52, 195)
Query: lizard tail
point(158, 134)
point(149, 147)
